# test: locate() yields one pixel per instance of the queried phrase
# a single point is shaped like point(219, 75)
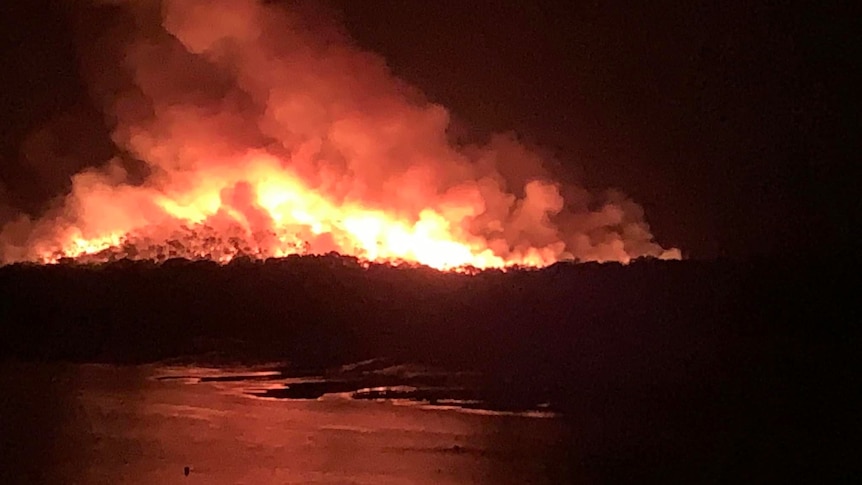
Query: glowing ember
point(267, 133)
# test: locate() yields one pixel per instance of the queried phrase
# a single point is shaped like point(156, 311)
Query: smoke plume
point(264, 130)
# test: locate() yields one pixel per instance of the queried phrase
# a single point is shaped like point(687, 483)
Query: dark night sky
point(729, 122)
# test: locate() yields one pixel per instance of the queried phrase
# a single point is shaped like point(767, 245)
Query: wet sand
point(108, 424)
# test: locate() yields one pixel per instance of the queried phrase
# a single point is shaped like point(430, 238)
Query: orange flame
point(268, 136)
point(297, 220)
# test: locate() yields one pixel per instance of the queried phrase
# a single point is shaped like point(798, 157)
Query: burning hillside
point(264, 131)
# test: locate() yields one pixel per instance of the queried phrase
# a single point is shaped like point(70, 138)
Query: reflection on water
point(109, 424)
point(375, 379)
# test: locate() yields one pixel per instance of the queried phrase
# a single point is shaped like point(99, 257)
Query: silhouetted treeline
point(755, 356)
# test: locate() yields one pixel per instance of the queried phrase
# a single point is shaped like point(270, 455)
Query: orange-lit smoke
point(266, 132)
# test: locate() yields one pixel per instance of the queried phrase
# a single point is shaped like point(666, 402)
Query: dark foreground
point(145, 424)
point(686, 371)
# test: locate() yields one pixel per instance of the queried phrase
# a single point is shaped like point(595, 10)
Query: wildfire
point(267, 134)
point(276, 215)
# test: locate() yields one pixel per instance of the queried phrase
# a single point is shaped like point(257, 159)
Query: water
point(93, 424)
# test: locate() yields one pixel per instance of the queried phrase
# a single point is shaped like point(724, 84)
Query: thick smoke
point(214, 94)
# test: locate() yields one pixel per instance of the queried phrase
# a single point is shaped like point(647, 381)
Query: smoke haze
point(242, 119)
